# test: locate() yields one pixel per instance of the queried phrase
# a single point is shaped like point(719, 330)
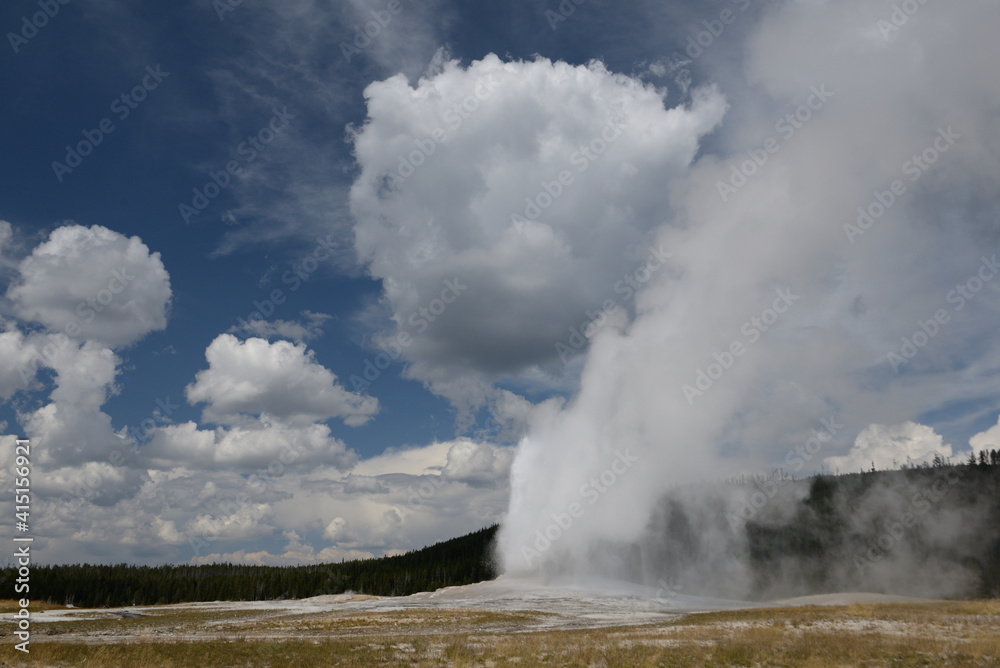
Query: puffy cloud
point(199, 511)
point(477, 464)
point(18, 362)
point(85, 373)
point(280, 379)
point(77, 456)
point(70, 435)
point(247, 521)
point(336, 529)
point(424, 460)
point(167, 532)
point(71, 426)
point(460, 460)
point(98, 482)
point(891, 447)
point(251, 445)
point(94, 284)
point(447, 164)
point(138, 526)
point(986, 440)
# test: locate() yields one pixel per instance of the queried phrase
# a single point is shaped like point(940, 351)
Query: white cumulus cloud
point(986, 440)
point(533, 186)
point(253, 444)
point(94, 284)
point(280, 379)
point(889, 447)
point(477, 464)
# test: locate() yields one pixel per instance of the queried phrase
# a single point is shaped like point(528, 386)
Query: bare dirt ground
point(521, 622)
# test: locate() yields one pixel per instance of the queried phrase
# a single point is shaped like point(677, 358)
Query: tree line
point(458, 561)
point(871, 531)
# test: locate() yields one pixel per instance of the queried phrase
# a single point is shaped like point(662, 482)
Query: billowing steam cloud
point(784, 299)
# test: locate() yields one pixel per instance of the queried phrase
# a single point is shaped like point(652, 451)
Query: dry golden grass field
point(365, 631)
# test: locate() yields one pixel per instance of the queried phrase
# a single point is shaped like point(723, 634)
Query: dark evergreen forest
point(457, 561)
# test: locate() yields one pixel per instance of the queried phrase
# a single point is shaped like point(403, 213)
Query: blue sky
point(285, 131)
point(65, 79)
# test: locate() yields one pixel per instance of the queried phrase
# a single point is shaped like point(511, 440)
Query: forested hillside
point(929, 530)
point(457, 561)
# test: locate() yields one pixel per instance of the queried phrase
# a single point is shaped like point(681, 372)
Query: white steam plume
point(917, 105)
